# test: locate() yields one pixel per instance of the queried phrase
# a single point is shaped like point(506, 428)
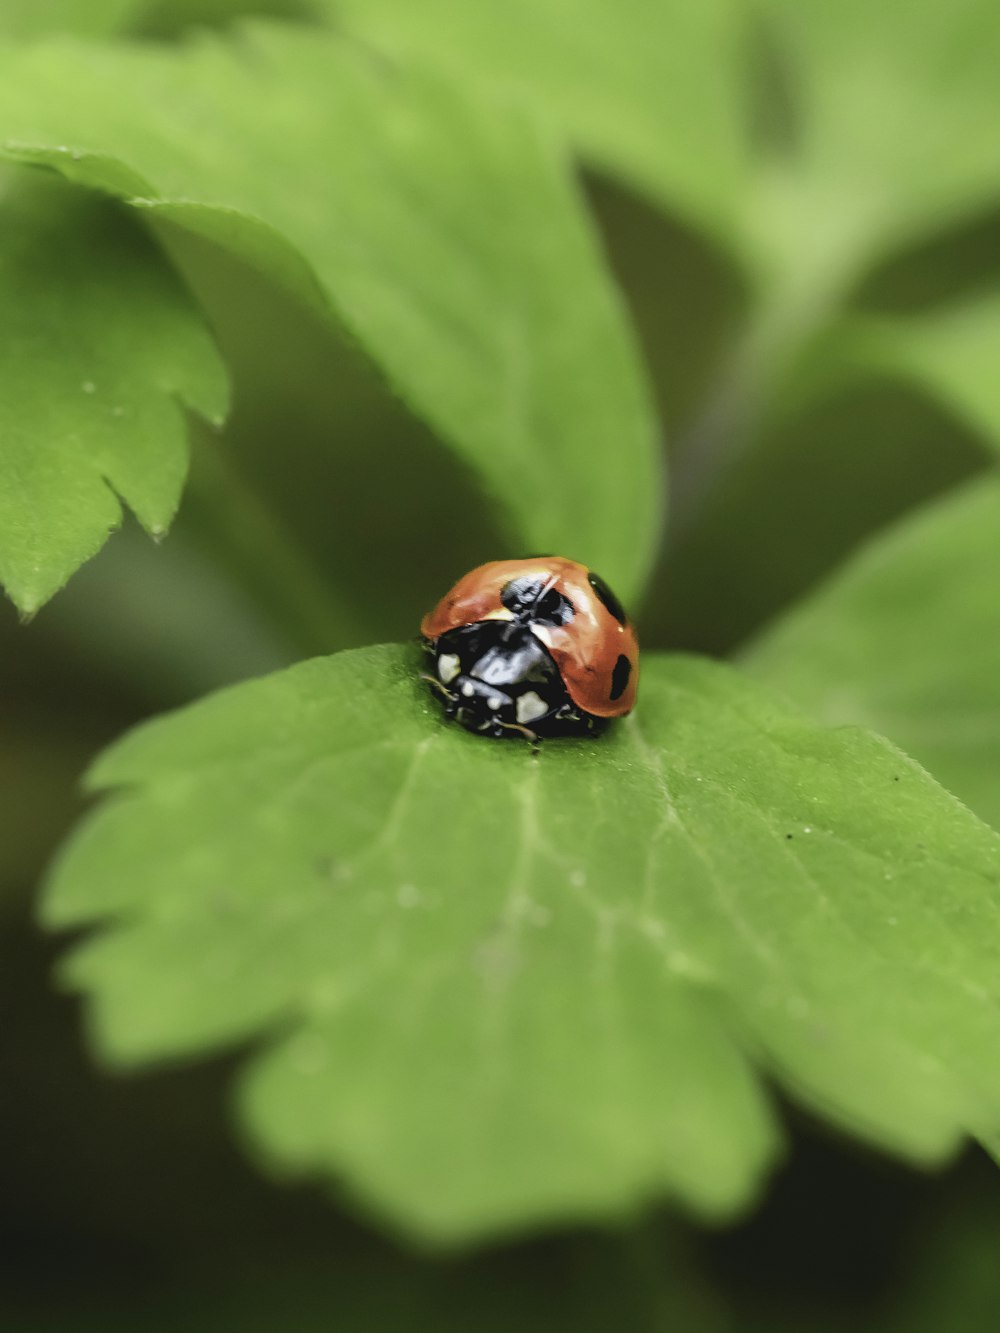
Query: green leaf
point(91, 18)
point(897, 131)
point(493, 988)
point(166, 19)
point(156, 18)
point(795, 505)
point(887, 120)
point(448, 237)
point(953, 353)
point(904, 640)
point(651, 92)
point(102, 349)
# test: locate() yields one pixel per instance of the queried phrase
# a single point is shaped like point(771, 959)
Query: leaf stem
point(800, 289)
point(673, 1293)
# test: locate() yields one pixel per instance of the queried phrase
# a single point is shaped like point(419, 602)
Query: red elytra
point(596, 652)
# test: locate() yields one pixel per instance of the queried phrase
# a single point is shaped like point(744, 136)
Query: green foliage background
point(333, 300)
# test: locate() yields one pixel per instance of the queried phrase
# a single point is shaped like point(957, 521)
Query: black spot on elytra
point(608, 598)
point(620, 676)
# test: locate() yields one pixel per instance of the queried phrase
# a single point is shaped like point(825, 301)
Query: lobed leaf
point(905, 640)
point(493, 988)
point(103, 349)
point(449, 238)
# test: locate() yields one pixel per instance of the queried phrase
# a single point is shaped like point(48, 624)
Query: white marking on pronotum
point(448, 667)
point(467, 689)
point(530, 706)
point(495, 701)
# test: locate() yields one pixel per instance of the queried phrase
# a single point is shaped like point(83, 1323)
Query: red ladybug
point(537, 647)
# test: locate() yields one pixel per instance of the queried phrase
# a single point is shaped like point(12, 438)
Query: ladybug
point(538, 647)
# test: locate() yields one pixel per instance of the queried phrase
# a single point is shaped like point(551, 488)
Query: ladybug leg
point(443, 690)
point(526, 732)
point(452, 703)
point(586, 722)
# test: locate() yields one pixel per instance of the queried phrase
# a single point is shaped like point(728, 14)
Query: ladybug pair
point(533, 648)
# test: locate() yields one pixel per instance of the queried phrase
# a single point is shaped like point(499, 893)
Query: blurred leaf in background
point(89, 18)
point(906, 640)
